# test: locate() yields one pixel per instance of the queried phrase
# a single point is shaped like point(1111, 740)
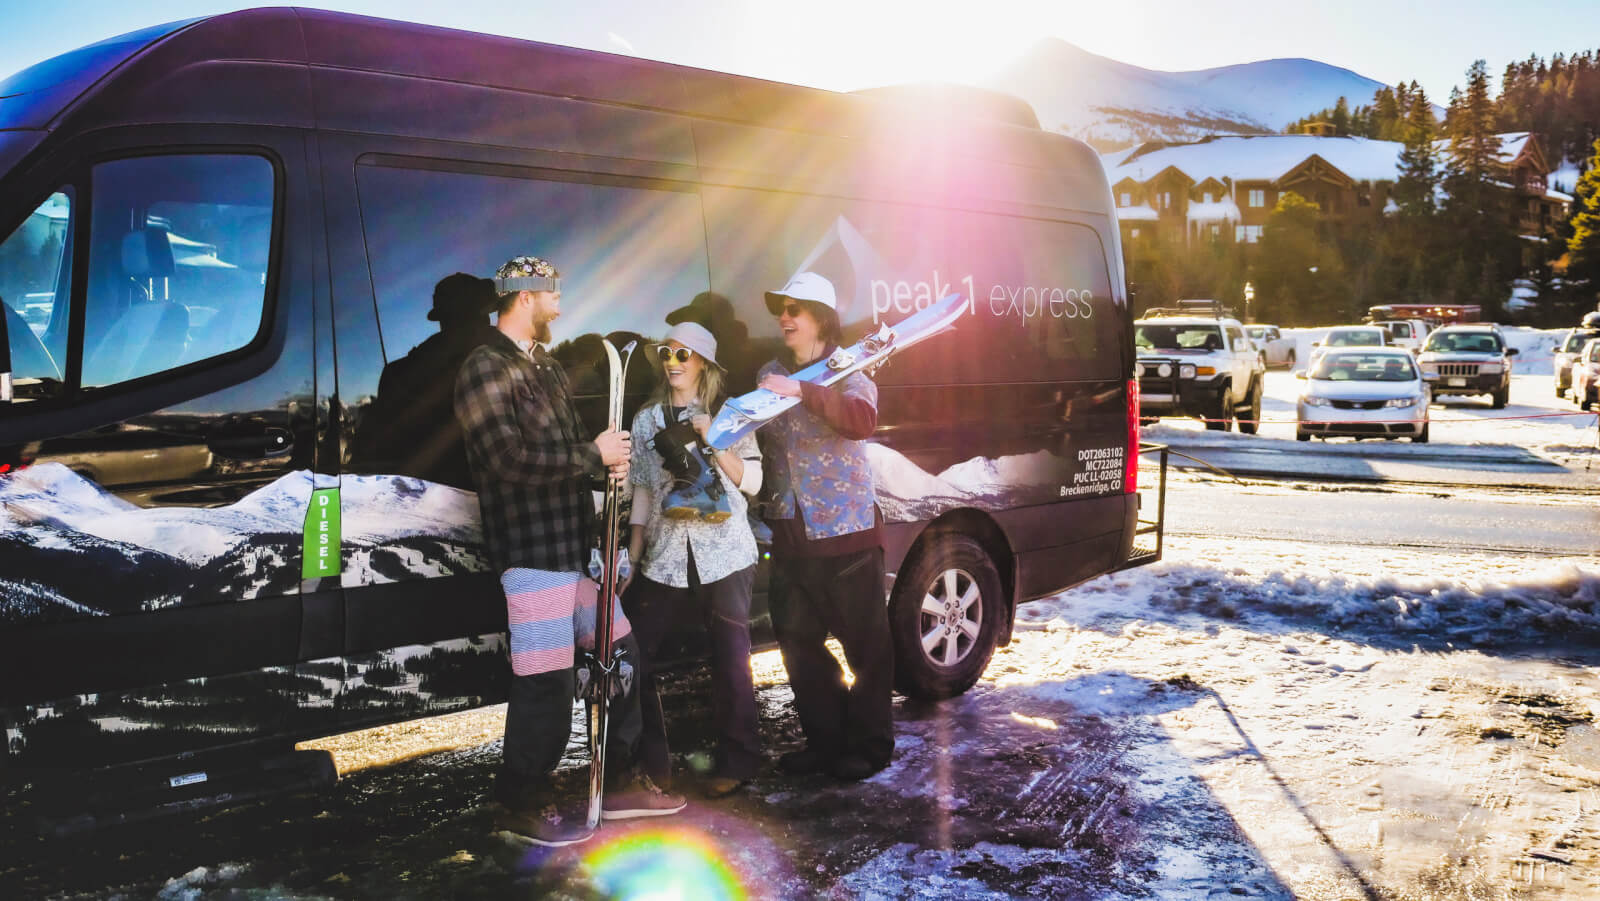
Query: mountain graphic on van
point(73, 549)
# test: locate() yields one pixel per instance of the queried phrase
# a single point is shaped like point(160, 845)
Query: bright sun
point(848, 44)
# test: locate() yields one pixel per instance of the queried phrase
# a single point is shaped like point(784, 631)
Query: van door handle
point(269, 442)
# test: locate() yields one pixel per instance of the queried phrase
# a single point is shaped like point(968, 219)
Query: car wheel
point(945, 617)
point(1301, 436)
point(1587, 401)
point(1289, 361)
point(1219, 418)
point(1250, 414)
point(1499, 398)
point(1422, 436)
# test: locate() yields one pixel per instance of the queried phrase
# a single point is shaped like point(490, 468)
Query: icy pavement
point(1536, 440)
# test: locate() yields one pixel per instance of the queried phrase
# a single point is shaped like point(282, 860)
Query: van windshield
point(34, 96)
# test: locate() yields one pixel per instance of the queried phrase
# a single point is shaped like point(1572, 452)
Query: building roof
point(1263, 158)
point(1224, 210)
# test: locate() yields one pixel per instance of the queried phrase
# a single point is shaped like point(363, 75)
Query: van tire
point(922, 604)
point(1249, 415)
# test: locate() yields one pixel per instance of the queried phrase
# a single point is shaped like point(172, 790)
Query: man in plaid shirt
point(534, 472)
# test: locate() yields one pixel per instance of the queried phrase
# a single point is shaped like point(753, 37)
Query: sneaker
point(802, 762)
point(851, 768)
point(643, 798)
point(545, 826)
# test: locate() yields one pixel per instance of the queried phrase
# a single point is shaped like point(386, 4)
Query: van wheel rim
point(951, 618)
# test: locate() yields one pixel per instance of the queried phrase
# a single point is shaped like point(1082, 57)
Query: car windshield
point(1464, 342)
point(1578, 339)
point(1255, 331)
point(1354, 338)
point(1349, 367)
point(1181, 337)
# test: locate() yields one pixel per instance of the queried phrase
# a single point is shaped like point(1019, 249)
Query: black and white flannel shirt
point(533, 466)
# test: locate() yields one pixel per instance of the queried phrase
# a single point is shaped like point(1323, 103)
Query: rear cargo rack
point(1149, 534)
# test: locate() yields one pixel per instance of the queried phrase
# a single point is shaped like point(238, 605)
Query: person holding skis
point(534, 471)
point(827, 548)
point(692, 543)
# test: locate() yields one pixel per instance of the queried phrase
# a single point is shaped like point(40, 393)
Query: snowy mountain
point(72, 549)
point(1113, 105)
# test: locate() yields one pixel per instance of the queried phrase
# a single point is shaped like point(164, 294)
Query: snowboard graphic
point(744, 414)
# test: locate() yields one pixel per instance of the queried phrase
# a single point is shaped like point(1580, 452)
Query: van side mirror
point(5, 357)
point(1511, 351)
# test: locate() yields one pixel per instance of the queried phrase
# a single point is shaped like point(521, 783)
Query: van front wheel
point(945, 616)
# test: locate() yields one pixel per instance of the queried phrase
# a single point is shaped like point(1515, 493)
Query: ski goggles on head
point(669, 354)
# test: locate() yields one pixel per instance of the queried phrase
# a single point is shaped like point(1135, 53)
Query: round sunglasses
point(669, 354)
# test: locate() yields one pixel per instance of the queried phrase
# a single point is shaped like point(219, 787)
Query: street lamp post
point(1249, 295)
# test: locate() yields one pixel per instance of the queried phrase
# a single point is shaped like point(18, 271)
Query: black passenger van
point(216, 237)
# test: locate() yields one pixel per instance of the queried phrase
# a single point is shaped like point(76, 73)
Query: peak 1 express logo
point(1022, 301)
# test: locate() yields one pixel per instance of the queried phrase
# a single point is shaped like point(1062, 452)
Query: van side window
point(628, 256)
point(178, 252)
point(35, 280)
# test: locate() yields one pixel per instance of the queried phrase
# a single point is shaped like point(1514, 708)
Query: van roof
point(263, 66)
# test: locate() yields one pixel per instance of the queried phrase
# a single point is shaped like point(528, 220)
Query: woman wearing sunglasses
point(827, 550)
point(694, 556)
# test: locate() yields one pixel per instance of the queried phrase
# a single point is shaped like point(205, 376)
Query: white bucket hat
point(694, 336)
point(804, 286)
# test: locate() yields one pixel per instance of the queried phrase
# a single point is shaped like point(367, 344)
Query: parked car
point(1198, 365)
point(1276, 349)
point(1407, 333)
point(1350, 336)
point(1468, 359)
point(1586, 376)
point(1568, 348)
point(1377, 393)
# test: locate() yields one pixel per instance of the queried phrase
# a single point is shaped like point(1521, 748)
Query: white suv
point(1198, 365)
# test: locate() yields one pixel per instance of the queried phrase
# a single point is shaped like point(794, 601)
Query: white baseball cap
point(804, 286)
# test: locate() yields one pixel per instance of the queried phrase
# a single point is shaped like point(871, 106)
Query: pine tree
point(1419, 166)
point(1583, 248)
point(1475, 222)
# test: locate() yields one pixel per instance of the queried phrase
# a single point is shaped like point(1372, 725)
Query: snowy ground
point(1273, 719)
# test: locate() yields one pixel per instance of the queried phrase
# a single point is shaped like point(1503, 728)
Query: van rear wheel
point(945, 616)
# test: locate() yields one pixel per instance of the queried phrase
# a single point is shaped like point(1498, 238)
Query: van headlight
point(1401, 402)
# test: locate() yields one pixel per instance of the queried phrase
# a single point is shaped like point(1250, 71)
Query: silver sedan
point(1368, 393)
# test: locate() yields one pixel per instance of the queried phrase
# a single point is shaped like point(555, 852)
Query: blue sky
point(846, 44)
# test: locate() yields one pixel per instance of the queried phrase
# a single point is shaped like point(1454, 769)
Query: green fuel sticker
point(321, 556)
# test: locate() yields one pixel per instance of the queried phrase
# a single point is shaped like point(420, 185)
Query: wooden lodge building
point(1225, 187)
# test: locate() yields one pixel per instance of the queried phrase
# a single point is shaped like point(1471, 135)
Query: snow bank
point(1386, 594)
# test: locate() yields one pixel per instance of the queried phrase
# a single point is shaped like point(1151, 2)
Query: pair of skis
point(604, 668)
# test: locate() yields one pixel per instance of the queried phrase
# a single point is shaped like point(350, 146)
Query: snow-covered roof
point(1140, 213)
point(1266, 158)
point(1224, 210)
point(1557, 195)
